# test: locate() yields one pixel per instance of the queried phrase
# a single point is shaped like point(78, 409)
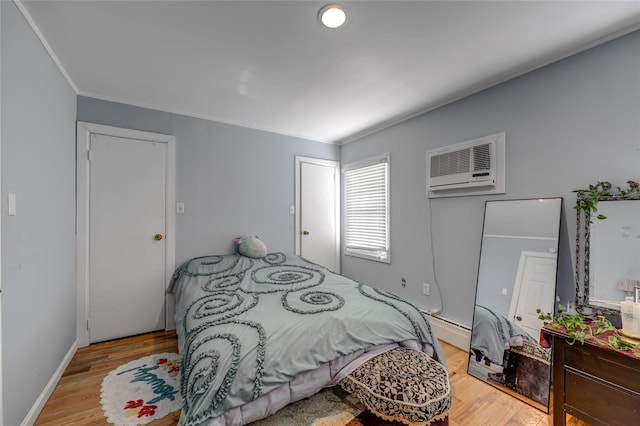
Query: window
point(366, 217)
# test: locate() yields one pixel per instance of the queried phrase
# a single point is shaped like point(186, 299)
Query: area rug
point(143, 390)
point(148, 388)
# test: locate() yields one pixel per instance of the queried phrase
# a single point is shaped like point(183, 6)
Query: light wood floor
point(76, 398)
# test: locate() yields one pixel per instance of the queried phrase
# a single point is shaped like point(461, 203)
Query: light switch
point(180, 207)
point(504, 291)
point(11, 204)
point(292, 209)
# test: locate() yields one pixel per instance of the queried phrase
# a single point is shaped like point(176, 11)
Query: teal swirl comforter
point(247, 326)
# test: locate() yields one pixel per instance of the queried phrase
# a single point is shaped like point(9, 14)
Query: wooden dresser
point(593, 383)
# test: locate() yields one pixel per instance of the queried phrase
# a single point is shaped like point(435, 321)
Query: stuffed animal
point(251, 246)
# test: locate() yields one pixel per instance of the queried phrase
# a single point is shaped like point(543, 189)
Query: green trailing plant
point(633, 191)
point(587, 199)
point(578, 330)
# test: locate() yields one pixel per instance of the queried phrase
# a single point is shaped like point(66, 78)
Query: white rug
point(143, 390)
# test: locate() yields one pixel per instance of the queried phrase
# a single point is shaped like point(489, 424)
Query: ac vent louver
point(450, 163)
point(482, 157)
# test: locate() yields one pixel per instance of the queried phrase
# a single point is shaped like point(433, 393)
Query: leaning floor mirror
point(516, 276)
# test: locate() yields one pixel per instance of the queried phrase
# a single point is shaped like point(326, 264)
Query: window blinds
point(366, 186)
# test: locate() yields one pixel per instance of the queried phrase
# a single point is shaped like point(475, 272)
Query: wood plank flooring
point(76, 398)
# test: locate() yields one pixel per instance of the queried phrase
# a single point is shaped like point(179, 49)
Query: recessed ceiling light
point(332, 16)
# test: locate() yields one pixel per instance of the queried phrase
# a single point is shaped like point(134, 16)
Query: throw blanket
point(492, 334)
point(246, 326)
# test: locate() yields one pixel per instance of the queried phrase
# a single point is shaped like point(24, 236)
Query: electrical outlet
point(403, 282)
point(426, 289)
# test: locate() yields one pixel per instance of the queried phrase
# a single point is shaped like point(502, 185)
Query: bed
point(257, 334)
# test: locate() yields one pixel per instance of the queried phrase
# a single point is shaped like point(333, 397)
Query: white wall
point(38, 244)
point(567, 125)
point(233, 180)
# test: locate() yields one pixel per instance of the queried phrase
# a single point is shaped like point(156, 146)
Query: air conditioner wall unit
point(468, 168)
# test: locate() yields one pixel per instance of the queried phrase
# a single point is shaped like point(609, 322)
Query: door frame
point(1, 364)
point(83, 137)
point(298, 196)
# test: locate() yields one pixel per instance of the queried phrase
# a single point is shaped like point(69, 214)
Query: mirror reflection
point(516, 276)
point(614, 251)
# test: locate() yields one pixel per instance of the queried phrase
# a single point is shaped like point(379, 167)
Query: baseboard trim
point(454, 333)
point(33, 414)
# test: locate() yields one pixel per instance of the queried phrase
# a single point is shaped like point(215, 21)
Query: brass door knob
point(305, 232)
point(157, 237)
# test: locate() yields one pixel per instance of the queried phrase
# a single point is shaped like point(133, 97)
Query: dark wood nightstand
point(594, 383)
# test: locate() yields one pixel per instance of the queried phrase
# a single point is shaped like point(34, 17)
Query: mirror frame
point(583, 261)
point(544, 344)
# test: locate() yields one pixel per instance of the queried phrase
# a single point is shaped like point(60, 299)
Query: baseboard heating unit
point(454, 333)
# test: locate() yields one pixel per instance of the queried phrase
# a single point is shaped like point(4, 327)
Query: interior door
point(534, 289)
point(318, 213)
point(126, 237)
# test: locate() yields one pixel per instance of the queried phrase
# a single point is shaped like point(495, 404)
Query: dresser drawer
point(609, 366)
point(603, 401)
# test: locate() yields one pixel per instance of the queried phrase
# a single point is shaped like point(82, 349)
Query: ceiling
point(269, 65)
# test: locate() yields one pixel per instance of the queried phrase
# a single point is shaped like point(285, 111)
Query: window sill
point(380, 259)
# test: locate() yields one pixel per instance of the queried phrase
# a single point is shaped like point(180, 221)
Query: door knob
point(157, 237)
point(305, 232)
point(519, 318)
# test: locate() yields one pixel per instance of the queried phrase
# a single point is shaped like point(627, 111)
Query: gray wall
point(38, 244)
point(233, 180)
point(567, 125)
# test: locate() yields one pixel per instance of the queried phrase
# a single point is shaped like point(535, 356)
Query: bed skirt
point(307, 384)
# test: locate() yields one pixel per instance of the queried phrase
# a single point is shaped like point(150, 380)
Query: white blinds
point(366, 186)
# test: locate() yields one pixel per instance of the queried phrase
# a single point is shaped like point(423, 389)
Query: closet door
point(127, 237)
point(317, 200)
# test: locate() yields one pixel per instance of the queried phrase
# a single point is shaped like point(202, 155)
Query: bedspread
point(247, 326)
point(492, 334)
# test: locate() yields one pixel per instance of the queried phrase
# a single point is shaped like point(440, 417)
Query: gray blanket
point(246, 326)
point(492, 334)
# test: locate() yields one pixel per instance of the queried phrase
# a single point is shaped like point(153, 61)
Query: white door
point(126, 237)
point(534, 288)
point(318, 213)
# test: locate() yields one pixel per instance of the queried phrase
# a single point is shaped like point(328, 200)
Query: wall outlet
point(426, 289)
point(403, 282)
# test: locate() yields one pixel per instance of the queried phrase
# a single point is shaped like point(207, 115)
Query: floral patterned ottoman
point(402, 385)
